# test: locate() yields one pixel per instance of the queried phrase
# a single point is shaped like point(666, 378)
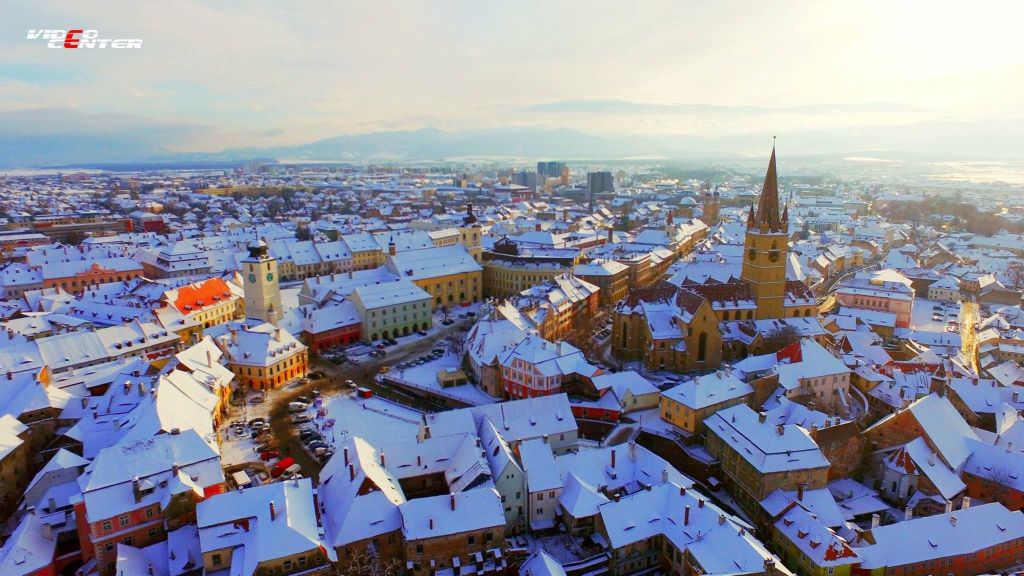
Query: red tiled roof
point(209, 292)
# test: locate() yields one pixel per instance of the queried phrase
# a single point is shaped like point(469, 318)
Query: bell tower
point(710, 208)
point(262, 291)
point(470, 235)
point(766, 248)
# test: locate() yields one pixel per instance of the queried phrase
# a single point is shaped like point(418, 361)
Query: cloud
point(619, 106)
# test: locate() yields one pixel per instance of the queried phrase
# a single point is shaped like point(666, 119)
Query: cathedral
point(709, 311)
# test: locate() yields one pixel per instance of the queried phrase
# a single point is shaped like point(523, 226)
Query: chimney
point(682, 490)
point(273, 512)
point(965, 503)
point(451, 500)
point(762, 417)
point(345, 452)
point(1009, 446)
point(632, 450)
point(664, 475)
point(351, 472)
point(800, 492)
point(876, 520)
point(952, 519)
point(51, 504)
point(382, 458)
point(536, 227)
point(908, 513)
point(209, 357)
point(721, 519)
point(10, 375)
point(949, 506)
point(686, 515)
point(142, 389)
point(613, 457)
point(780, 429)
point(700, 502)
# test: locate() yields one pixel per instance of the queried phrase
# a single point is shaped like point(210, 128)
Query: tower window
point(751, 253)
point(773, 254)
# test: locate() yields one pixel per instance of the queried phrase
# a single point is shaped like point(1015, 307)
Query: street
point(333, 383)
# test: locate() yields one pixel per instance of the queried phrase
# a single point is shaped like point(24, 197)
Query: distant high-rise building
point(525, 178)
point(597, 183)
point(550, 169)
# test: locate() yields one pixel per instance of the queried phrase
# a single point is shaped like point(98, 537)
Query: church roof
point(767, 217)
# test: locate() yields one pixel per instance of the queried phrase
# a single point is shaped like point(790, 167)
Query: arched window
point(702, 346)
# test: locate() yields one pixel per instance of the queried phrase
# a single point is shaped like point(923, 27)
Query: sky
point(218, 75)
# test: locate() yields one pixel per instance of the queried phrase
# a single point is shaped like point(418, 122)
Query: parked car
point(269, 455)
point(421, 332)
point(281, 466)
point(258, 399)
point(291, 472)
point(316, 375)
point(257, 421)
point(298, 406)
point(316, 392)
point(350, 383)
point(301, 419)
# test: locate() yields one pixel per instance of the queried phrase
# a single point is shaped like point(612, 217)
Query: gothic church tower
point(766, 248)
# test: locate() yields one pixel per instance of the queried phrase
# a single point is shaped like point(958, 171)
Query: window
point(471, 539)
point(123, 520)
point(106, 526)
point(215, 559)
point(419, 548)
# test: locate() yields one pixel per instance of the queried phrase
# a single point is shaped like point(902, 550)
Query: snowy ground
point(236, 449)
point(454, 314)
point(562, 547)
point(921, 315)
point(425, 376)
point(374, 419)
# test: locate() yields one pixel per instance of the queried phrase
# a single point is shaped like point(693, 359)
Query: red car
point(268, 454)
point(281, 466)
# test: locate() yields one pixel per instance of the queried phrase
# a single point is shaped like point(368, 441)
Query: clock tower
point(262, 291)
point(766, 248)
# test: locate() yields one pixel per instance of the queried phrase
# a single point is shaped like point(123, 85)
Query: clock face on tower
point(270, 277)
point(252, 277)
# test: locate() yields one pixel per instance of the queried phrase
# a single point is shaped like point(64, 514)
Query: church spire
point(767, 216)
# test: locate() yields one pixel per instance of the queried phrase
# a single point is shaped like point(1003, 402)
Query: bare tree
point(368, 563)
point(999, 481)
point(780, 338)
